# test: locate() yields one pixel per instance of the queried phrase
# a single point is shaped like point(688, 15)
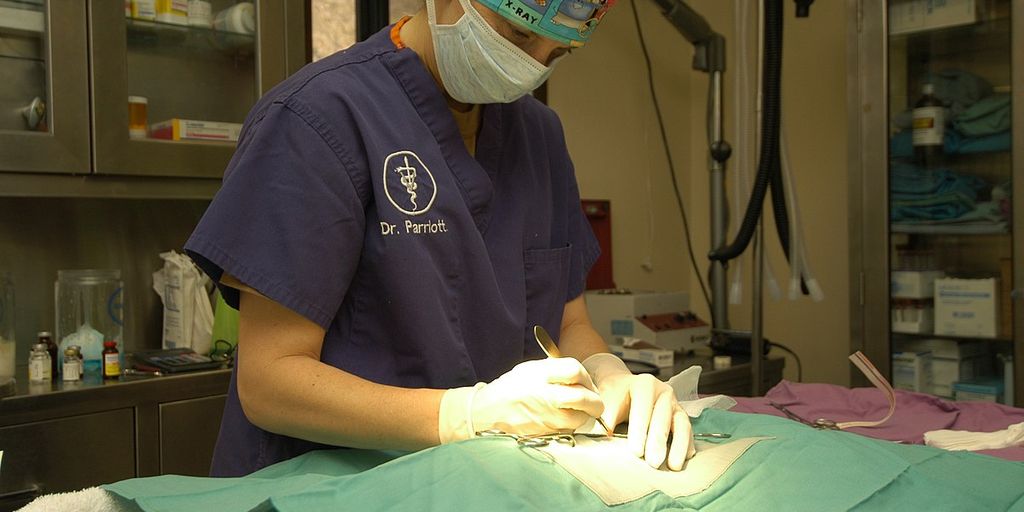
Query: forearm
point(301, 397)
point(578, 339)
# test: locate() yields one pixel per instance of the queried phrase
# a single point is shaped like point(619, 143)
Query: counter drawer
point(66, 454)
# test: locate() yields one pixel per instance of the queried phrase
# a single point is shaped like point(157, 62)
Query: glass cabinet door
point(950, 195)
point(173, 80)
point(43, 109)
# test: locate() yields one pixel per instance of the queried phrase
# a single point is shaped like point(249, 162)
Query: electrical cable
point(668, 155)
point(799, 366)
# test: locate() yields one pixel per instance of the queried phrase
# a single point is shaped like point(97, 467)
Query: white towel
point(964, 440)
point(91, 499)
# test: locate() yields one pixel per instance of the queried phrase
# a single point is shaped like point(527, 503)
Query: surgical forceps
point(820, 423)
point(533, 440)
point(569, 438)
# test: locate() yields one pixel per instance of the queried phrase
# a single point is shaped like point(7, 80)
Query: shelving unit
point(969, 224)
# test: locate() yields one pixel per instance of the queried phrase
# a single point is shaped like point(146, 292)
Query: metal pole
point(719, 154)
point(757, 322)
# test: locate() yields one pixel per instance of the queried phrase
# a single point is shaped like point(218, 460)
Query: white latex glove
point(535, 397)
point(653, 411)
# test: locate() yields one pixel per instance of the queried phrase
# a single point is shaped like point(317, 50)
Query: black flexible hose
point(779, 206)
point(769, 157)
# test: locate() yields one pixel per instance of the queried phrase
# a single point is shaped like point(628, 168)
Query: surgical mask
point(478, 65)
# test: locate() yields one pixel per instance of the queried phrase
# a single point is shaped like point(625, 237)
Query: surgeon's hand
point(535, 397)
point(652, 409)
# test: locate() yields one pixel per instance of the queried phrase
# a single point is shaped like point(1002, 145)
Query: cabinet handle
point(31, 491)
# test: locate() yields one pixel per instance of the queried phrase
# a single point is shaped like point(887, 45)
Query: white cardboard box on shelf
point(986, 390)
point(946, 372)
point(914, 284)
point(191, 129)
point(912, 371)
point(967, 307)
point(921, 322)
point(907, 16)
point(945, 348)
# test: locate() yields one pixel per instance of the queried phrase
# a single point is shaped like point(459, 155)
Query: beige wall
point(601, 94)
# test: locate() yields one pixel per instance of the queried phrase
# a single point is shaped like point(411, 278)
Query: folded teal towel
point(987, 117)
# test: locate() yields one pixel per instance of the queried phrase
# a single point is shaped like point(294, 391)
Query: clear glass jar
point(7, 345)
point(89, 309)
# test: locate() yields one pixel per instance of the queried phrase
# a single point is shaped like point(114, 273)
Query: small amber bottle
point(111, 360)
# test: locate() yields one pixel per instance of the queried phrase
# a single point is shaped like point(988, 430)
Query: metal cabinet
point(67, 436)
point(72, 68)
point(937, 223)
point(44, 108)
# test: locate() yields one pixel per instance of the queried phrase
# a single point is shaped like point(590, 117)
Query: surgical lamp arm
point(709, 45)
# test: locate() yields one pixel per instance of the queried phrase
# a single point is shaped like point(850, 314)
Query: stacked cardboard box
point(951, 361)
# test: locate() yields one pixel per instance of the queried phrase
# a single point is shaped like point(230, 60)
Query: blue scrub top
point(352, 200)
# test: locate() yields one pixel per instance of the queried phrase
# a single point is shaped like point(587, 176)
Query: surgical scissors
point(820, 423)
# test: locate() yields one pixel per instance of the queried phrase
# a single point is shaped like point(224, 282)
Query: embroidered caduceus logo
point(408, 184)
point(408, 178)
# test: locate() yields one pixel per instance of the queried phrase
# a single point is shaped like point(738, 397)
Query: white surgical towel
point(964, 440)
point(685, 386)
point(92, 499)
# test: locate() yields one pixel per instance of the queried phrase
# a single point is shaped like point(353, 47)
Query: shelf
point(99, 186)
point(941, 230)
point(143, 33)
point(22, 21)
point(189, 142)
point(950, 337)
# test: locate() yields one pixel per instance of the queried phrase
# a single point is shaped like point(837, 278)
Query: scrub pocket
point(547, 283)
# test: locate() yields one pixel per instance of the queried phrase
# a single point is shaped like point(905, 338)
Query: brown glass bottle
point(111, 360)
point(46, 338)
point(929, 128)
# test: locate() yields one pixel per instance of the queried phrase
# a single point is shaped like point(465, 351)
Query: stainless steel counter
point(40, 401)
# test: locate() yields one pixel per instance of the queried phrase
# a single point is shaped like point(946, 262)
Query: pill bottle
point(137, 123)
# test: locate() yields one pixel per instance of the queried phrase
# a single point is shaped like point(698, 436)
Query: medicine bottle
point(138, 127)
point(929, 128)
point(81, 360)
point(46, 338)
point(111, 360)
point(72, 366)
point(39, 364)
